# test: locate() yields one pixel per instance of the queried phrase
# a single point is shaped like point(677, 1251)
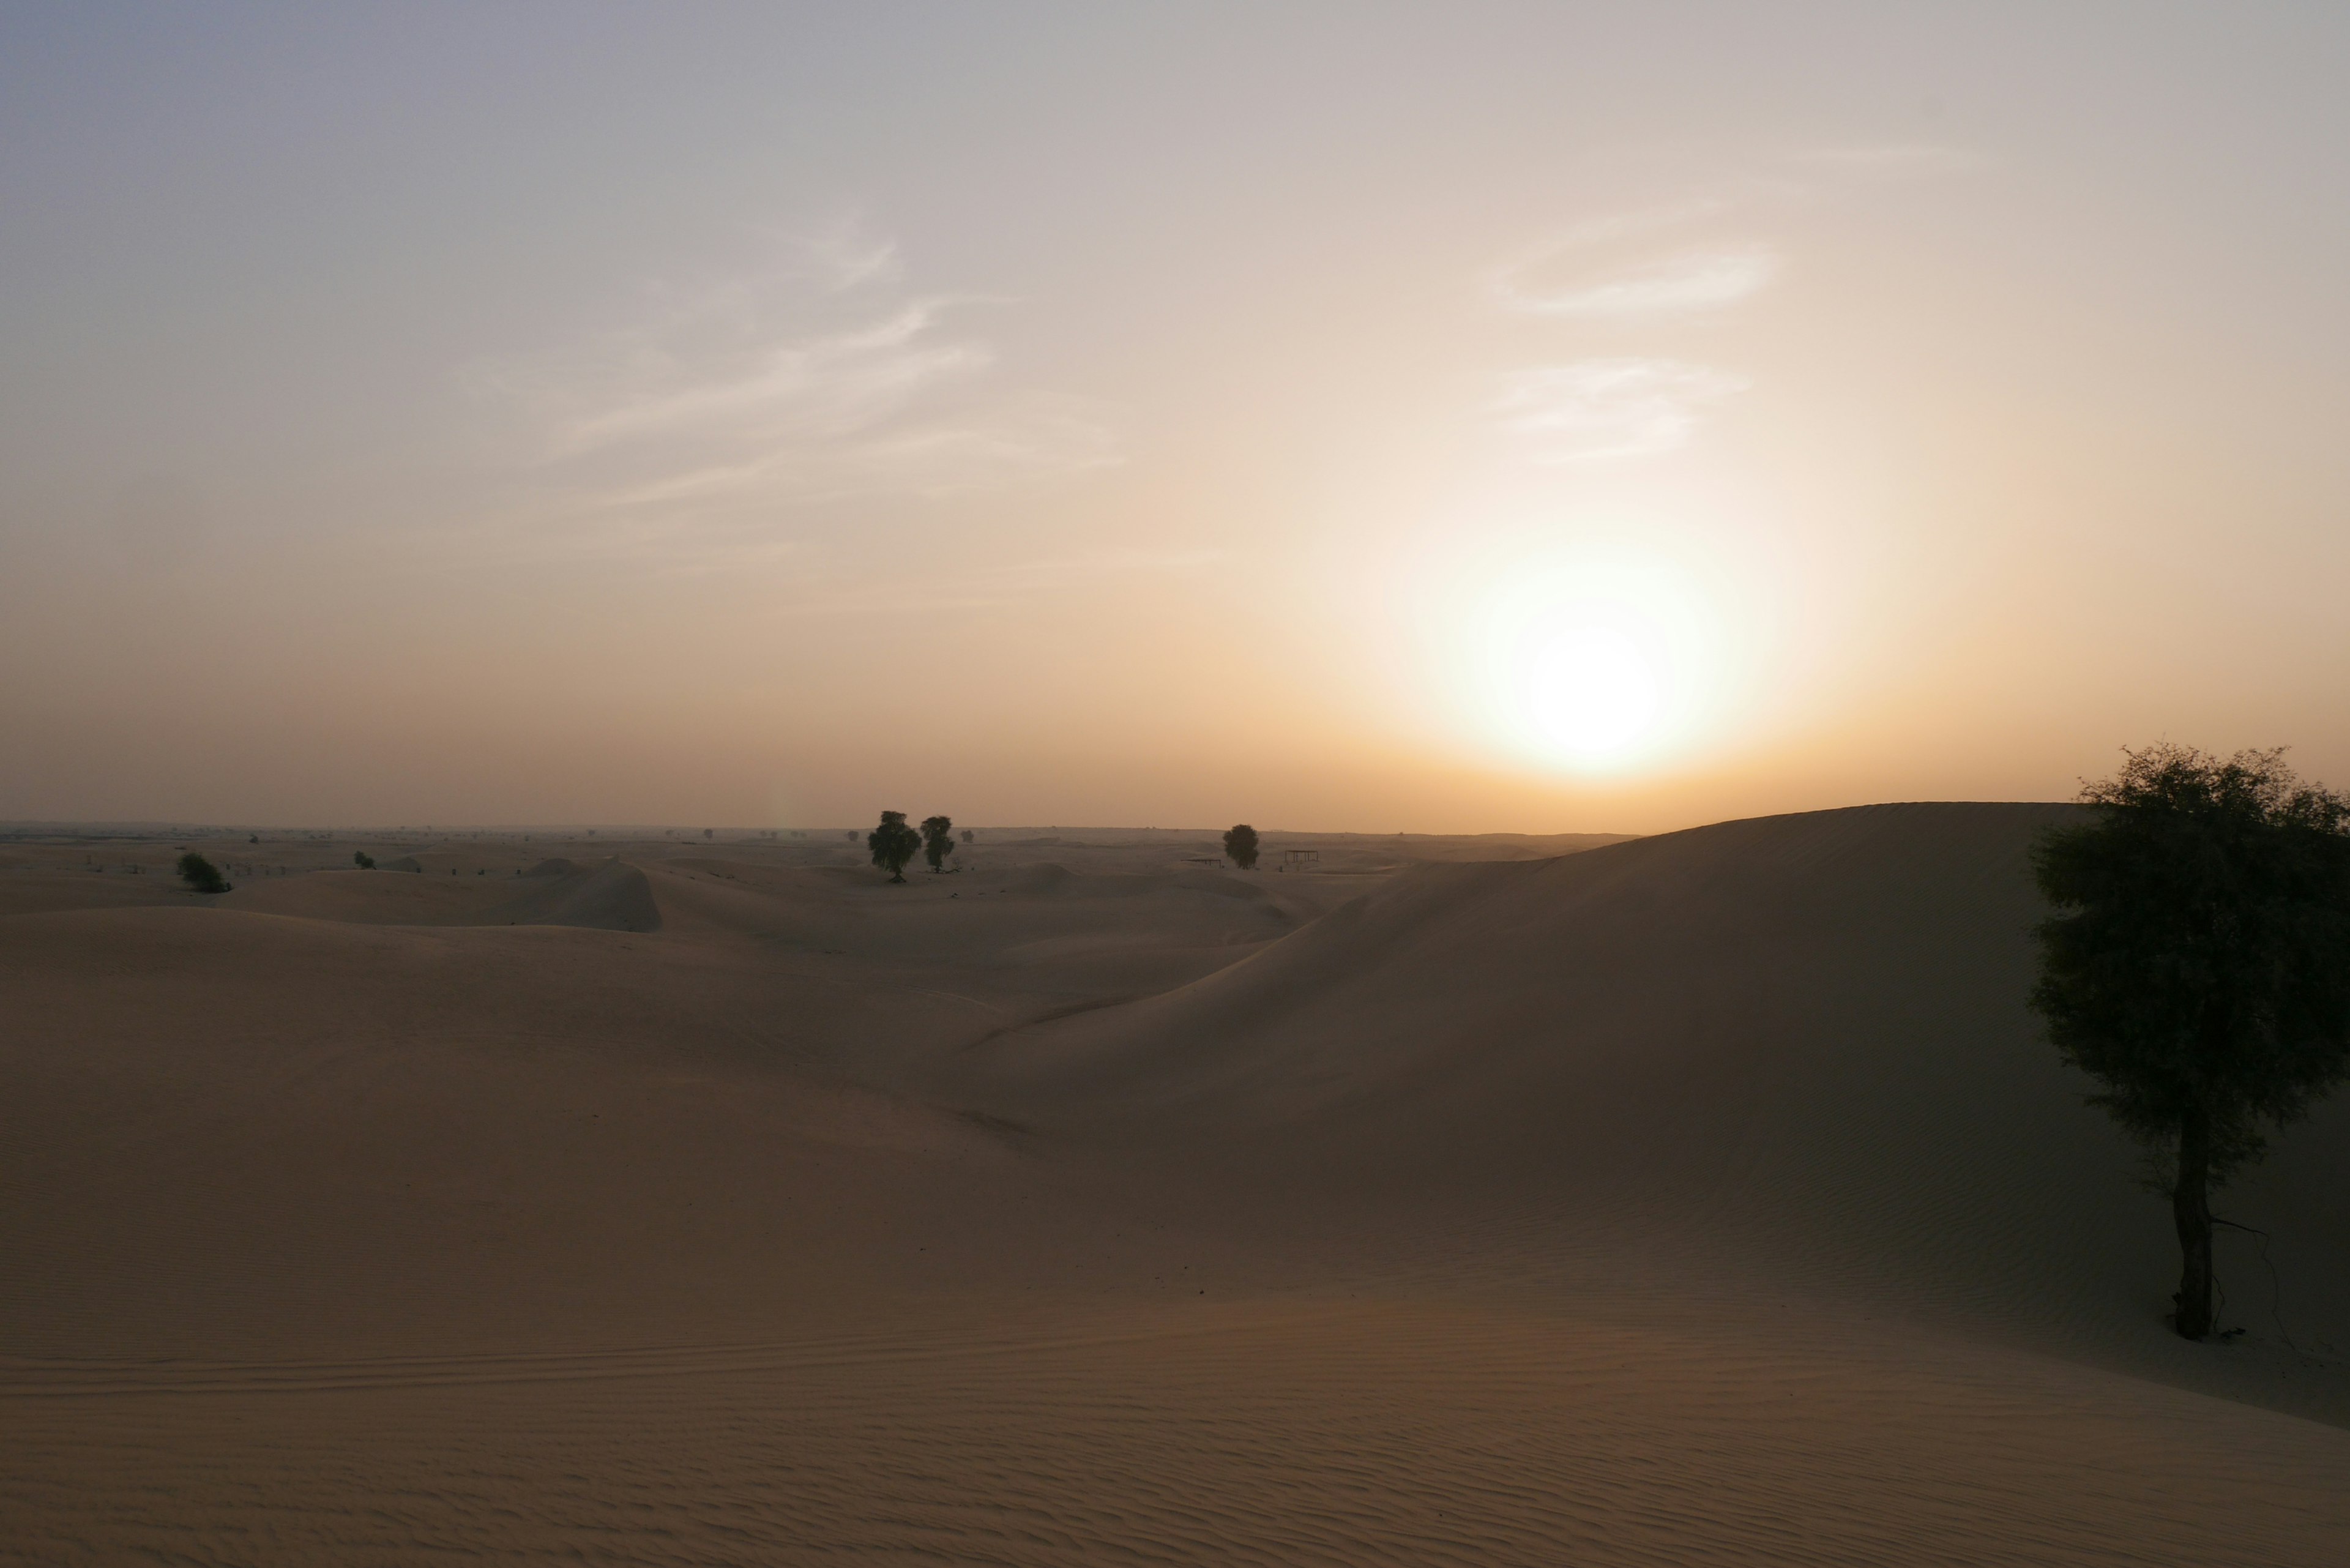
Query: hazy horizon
point(1522, 419)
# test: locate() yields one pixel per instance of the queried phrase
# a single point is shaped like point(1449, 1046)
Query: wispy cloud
point(1657, 266)
point(1593, 410)
point(1677, 283)
point(845, 255)
point(1649, 263)
point(1686, 257)
point(814, 378)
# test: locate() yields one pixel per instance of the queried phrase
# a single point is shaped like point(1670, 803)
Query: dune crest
point(1794, 1042)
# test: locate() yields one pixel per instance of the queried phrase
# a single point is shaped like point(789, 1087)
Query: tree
point(1240, 846)
point(709, 833)
point(2198, 967)
point(969, 836)
point(201, 873)
point(893, 844)
point(937, 841)
point(362, 859)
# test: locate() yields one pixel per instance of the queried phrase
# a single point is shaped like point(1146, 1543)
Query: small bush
point(362, 859)
point(201, 873)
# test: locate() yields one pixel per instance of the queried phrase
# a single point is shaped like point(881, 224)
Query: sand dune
point(1707, 1197)
point(1799, 1042)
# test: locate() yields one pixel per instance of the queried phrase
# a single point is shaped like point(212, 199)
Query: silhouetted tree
point(2198, 967)
point(969, 836)
point(937, 841)
point(893, 844)
point(362, 859)
point(709, 833)
point(1240, 846)
point(201, 873)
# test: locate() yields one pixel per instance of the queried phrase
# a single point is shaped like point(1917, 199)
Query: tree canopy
point(1240, 846)
point(201, 873)
point(937, 841)
point(893, 844)
point(2198, 965)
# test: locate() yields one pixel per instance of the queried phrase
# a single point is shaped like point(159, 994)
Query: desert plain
point(656, 1197)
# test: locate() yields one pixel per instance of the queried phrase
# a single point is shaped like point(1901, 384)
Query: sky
point(1459, 418)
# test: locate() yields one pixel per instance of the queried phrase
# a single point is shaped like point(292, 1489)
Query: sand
point(1704, 1197)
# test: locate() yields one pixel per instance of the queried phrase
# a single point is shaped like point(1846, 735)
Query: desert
point(1701, 1196)
point(1512, 784)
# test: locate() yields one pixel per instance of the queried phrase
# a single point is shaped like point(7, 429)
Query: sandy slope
point(604, 896)
point(1799, 1041)
point(1700, 1198)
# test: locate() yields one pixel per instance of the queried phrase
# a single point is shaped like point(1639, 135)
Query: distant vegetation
point(2198, 967)
point(893, 844)
point(937, 841)
point(362, 859)
point(1240, 846)
point(201, 873)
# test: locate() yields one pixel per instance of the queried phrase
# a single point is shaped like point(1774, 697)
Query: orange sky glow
point(1452, 419)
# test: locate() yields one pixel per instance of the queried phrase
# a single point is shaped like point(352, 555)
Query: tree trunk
point(2191, 1210)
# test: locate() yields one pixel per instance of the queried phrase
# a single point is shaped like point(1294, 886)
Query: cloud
point(1593, 410)
point(1678, 283)
point(814, 378)
point(844, 255)
point(1662, 264)
point(1673, 260)
point(1630, 267)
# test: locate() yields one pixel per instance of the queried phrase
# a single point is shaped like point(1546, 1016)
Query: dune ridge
point(1704, 1197)
point(1795, 1041)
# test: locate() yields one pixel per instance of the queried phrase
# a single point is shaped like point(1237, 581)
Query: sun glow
point(1587, 691)
point(1593, 663)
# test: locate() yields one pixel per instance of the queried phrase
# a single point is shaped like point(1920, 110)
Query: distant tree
point(969, 836)
point(937, 842)
point(2198, 967)
point(252, 838)
point(1240, 846)
point(201, 873)
point(893, 844)
point(362, 859)
point(852, 834)
point(709, 833)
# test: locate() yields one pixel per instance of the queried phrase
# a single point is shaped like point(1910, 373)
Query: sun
point(1588, 664)
point(1588, 692)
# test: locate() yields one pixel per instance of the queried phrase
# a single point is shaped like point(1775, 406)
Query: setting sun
point(1597, 660)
